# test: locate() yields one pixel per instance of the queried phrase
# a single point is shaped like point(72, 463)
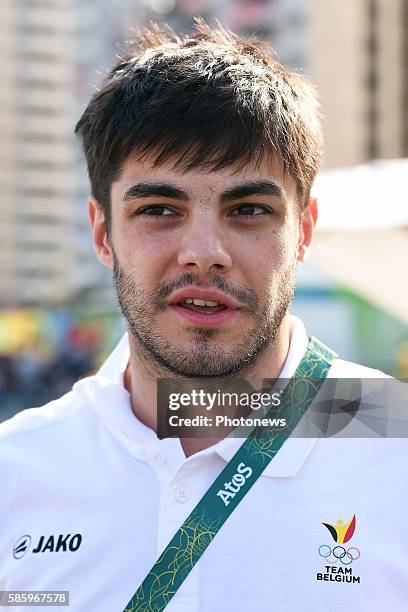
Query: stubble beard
point(202, 357)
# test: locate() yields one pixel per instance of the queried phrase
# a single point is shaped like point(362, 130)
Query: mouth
point(206, 308)
point(202, 306)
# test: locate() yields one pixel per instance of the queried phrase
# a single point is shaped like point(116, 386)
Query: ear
point(100, 237)
point(307, 228)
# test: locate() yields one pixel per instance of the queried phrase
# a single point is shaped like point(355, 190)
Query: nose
point(204, 248)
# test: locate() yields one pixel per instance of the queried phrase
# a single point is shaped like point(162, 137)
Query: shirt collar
point(107, 394)
point(115, 365)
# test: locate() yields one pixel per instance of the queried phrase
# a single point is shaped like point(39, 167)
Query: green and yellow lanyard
point(257, 451)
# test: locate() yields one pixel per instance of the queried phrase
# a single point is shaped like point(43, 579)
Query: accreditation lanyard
point(257, 451)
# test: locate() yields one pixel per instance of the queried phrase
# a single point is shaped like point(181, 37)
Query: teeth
point(198, 302)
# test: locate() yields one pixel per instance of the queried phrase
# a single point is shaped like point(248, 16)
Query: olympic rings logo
point(338, 553)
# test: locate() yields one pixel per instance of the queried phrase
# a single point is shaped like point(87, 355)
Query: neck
point(141, 382)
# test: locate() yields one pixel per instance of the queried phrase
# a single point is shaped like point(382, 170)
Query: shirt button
point(159, 458)
point(181, 495)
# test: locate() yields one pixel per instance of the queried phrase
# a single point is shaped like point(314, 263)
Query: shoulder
point(41, 446)
point(349, 369)
point(35, 435)
point(38, 420)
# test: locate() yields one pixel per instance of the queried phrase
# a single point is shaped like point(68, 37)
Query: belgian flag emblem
point(342, 533)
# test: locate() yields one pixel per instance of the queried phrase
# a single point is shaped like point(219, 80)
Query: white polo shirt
point(90, 497)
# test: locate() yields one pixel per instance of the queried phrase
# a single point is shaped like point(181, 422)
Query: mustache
point(156, 300)
point(244, 295)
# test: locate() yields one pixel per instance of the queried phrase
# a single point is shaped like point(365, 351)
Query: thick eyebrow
point(253, 188)
point(144, 190)
point(262, 187)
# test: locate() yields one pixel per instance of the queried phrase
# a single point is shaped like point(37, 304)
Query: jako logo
point(238, 480)
point(60, 543)
point(21, 546)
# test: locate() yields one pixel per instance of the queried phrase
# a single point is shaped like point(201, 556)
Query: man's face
point(204, 262)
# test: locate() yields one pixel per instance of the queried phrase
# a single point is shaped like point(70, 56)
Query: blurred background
point(58, 314)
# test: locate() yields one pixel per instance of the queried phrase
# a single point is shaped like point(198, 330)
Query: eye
point(250, 210)
point(156, 211)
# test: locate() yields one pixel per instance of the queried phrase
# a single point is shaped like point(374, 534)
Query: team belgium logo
point(338, 557)
point(342, 533)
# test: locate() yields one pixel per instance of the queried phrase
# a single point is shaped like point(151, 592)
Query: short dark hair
point(212, 99)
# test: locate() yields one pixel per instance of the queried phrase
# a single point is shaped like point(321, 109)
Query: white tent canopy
point(373, 195)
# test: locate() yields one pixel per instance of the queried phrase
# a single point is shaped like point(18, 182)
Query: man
point(201, 153)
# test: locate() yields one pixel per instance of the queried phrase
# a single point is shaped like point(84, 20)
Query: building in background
point(49, 53)
point(284, 22)
point(358, 57)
